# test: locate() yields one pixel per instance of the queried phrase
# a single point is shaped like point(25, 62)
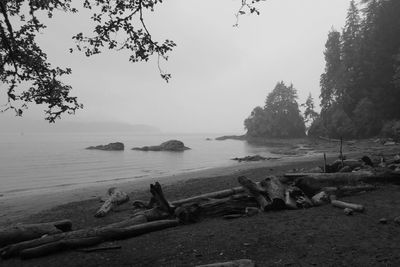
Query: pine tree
point(351, 40)
point(331, 79)
point(309, 113)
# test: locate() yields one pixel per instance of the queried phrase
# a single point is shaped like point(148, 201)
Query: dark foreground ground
point(321, 236)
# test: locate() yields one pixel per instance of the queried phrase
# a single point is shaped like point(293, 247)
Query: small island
point(117, 146)
point(171, 145)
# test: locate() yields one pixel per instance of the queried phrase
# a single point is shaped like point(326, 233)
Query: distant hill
point(18, 125)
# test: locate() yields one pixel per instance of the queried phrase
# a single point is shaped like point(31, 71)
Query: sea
point(33, 162)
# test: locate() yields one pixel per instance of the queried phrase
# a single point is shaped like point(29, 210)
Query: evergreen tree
point(351, 41)
point(280, 117)
point(331, 79)
point(309, 113)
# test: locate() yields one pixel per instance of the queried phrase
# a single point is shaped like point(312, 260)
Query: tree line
point(360, 86)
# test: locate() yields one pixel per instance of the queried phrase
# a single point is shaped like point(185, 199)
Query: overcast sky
point(219, 72)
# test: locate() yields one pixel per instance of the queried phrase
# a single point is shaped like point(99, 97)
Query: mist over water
point(40, 161)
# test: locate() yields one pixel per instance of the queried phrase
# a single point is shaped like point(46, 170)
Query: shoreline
point(16, 207)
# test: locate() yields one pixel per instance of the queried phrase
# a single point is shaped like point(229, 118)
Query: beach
point(18, 206)
point(321, 236)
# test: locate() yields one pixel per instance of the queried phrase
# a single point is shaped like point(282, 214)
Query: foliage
point(331, 79)
point(361, 79)
point(280, 116)
point(365, 120)
point(118, 25)
point(317, 128)
point(310, 115)
point(22, 61)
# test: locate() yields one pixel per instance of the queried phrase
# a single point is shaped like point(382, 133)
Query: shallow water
point(33, 162)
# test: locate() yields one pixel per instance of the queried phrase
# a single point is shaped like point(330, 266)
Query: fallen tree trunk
point(275, 191)
point(235, 204)
point(205, 197)
point(116, 197)
point(312, 183)
point(159, 199)
point(257, 191)
point(22, 232)
point(141, 217)
point(348, 189)
point(227, 206)
point(81, 238)
point(349, 178)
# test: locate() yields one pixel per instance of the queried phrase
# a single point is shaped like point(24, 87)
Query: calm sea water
point(32, 162)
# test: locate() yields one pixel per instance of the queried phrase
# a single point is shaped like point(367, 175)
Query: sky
point(219, 72)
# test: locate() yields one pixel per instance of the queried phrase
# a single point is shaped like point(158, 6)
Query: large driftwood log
point(348, 189)
point(275, 191)
point(257, 191)
point(81, 238)
point(349, 178)
point(312, 183)
point(22, 232)
point(116, 197)
point(213, 195)
point(159, 199)
point(235, 204)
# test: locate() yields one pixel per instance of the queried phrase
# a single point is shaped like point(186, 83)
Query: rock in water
point(171, 145)
point(117, 146)
point(250, 158)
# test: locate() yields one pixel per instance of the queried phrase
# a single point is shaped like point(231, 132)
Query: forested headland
point(360, 86)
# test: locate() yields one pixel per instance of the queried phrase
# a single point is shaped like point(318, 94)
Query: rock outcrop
point(117, 146)
point(171, 145)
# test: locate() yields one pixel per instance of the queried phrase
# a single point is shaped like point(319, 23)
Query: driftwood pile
point(291, 191)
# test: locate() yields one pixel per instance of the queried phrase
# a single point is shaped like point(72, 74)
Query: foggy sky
point(219, 72)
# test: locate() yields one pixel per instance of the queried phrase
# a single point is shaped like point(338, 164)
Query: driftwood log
point(269, 193)
point(116, 197)
point(236, 263)
point(347, 190)
point(235, 204)
point(348, 178)
point(296, 199)
point(213, 195)
point(81, 238)
point(22, 232)
point(275, 191)
point(346, 205)
point(257, 191)
point(312, 183)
